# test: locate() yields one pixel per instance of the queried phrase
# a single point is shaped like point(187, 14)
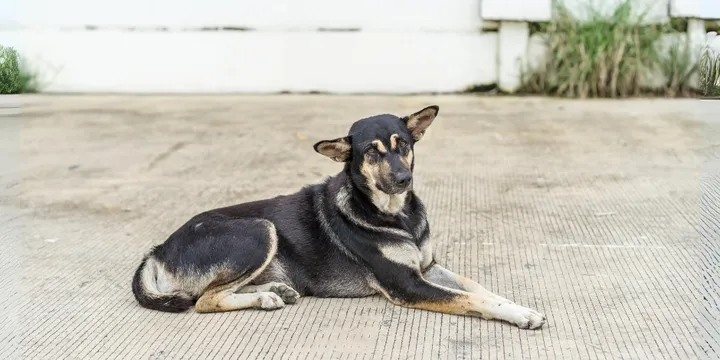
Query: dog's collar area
point(342, 201)
point(389, 204)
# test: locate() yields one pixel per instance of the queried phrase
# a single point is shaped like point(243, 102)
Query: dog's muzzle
point(400, 183)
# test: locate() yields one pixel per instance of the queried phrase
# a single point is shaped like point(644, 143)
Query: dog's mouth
point(393, 190)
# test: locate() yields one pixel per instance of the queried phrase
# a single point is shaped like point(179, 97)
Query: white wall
point(701, 9)
point(404, 45)
point(398, 46)
point(452, 15)
point(391, 62)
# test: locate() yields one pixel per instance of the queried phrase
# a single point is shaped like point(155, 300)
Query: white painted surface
point(709, 9)
point(516, 10)
point(117, 61)
point(653, 11)
point(697, 34)
point(402, 45)
point(513, 40)
point(538, 51)
point(446, 15)
point(713, 41)
point(703, 9)
point(697, 40)
point(685, 8)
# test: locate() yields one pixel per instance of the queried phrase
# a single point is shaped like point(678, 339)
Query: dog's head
point(379, 150)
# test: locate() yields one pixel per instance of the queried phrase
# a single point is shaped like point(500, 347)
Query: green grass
point(710, 73)
point(15, 78)
point(608, 55)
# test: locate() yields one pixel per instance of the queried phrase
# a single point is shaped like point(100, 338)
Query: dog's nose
point(403, 179)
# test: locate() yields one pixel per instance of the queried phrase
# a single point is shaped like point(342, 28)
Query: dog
point(361, 232)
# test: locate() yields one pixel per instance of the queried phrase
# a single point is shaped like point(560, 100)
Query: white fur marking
point(420, 228)
point(156, 280)
point(391, 204)
point(516, 314)
point(342, 202)
point(403, 253)
point(426, 254)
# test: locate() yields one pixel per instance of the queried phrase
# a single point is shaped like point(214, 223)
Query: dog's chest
point(408, 253)
point(417, 250)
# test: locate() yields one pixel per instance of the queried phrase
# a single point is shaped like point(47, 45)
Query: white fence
point(340, 46)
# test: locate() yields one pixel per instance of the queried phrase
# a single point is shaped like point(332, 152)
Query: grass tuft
point(15, 78)
point(678, 67)
point(607, 55)
point(710, 73)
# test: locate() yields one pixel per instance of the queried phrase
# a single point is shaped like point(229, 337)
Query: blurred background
point(353, 46)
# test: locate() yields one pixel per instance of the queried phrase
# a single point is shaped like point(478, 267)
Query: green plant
point(606, 56)
point(15, 78)
point(710, 73)
point(678, 67)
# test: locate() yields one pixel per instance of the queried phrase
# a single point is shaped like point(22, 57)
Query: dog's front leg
point(438, 275)
point(414, 291)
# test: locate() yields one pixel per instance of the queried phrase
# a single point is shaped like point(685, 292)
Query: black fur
point(321, 248)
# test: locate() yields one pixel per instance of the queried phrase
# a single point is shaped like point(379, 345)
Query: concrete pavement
point(602, 214)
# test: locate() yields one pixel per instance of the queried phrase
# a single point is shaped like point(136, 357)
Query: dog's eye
point(371, 151)
point(402, 143)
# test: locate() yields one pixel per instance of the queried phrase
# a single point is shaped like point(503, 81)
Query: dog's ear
point(339, 149)
point(421, 120)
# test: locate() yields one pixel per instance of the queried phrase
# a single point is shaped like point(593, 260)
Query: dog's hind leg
point(288, 294)
point(247, 258)
point(225, 298)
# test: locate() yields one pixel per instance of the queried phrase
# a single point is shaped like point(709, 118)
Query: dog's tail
point(147, 288)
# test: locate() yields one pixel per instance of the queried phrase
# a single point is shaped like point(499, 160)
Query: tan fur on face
point(374, 171)
point(394, 141)
point(379, 146)
point(408, 159)
point(391, 204)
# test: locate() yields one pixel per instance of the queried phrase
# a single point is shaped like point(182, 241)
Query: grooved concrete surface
point(603, 215)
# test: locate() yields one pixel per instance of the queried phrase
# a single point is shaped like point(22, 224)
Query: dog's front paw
point(269, 301)
point(521, 316)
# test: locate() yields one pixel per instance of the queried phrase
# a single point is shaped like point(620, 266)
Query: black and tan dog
point(361, 232)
